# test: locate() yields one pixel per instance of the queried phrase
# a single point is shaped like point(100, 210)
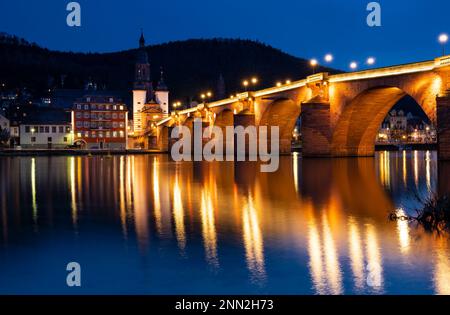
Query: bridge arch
point(358, 125)
point(282, 112)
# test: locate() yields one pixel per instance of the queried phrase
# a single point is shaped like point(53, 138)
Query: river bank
point(64, 152)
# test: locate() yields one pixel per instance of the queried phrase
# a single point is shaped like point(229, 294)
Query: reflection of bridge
point(341, 113)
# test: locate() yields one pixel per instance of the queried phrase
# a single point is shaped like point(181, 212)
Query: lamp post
point(329, 58)
point(443, 39)
point(353, 65)
point(313, 63)
point(371, 61)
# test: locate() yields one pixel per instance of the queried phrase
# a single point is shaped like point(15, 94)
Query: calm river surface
point(146, 225)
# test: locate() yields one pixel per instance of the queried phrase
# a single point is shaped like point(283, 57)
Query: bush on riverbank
point(434, 214)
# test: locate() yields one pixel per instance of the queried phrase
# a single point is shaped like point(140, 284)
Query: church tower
point(162, 94)
point(142, 89)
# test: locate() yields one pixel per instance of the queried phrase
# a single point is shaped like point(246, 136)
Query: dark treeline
point(190, 67)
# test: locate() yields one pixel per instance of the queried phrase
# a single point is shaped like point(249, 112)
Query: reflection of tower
point(162, 94)
point(142, 90)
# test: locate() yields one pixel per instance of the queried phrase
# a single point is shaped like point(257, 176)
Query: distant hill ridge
point(190, 66)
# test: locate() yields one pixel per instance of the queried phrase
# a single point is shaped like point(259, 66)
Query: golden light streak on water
point(253, 241)
point(122, 201)
point(33, 190)
point(374, 262)
point(178, 214)
point(315, 252)
point(73, 191)
point(209, 228)
point(295, 157)
point(441, 272)
point(403, 232)
point(405, 170)
point(156, 196)
point(416, 169)
point(332, 266)
point(356, 253)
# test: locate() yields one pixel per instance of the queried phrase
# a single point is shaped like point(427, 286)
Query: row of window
point(100, 134)
point(49, 139)
point(100, 107)
point(47, 129)
point(100, 115)
point(93, 124)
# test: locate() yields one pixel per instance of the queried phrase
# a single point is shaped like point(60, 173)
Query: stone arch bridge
point(341, 114)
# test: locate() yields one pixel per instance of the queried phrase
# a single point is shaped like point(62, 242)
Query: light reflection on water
point(144, 224)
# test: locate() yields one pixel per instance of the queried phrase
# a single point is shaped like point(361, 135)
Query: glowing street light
point(443, 39)
point(288, 81)
point(313, 63)
point(254, 80)
point(205, 96)
point(328, 58)
point(353, 65)
point(279, 84)
point(370, 61)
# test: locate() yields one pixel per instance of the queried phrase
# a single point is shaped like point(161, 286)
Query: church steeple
point(142, 40)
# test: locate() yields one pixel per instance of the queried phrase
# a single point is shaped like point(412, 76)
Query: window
point(27, 129)
point(94, 116)
point(41, 129)
point(86, 115)
point(79, 125)
point(111, 100)
point(108, 134)
point(49, 139)
point(115, 107)
point(121, 107)
point(121, 133)
point(88, 99)
point(86, 124)
point(86, 106)
point(65, 139)
point(114, 124)
point(61, 129)
point(33, 139)
point(114, 134)
point(121, 115)
point(47, 129)
point(78, 115)
point(53, 129)
point(100, 116)
point(121, 125)
point(93, 106)
point(107, 107)
point(108, 116)
point(93, 125)
point(36, 129)
point(78, 106)
point(114, 116)
point(100, 135)
point(86, 134)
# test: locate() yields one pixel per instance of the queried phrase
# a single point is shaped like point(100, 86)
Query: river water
point(143, 224)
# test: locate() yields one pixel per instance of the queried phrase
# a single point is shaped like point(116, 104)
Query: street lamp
point(279, 84)
point(370, 61)
point(328, 58)
point(443, 39)
point(205, 96)
point(245, 84)
point(353, 65)
point(313, 63)
point(288, 81)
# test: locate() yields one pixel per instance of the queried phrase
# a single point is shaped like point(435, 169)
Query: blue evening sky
point(307, 29)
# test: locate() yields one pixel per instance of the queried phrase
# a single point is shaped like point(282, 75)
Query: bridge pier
point(443, 126)
point(316, 128)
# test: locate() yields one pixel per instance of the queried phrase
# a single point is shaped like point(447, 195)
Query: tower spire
point(142, 39)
